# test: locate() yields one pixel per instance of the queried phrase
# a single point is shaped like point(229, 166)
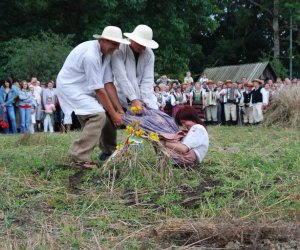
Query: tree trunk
point(276, 30)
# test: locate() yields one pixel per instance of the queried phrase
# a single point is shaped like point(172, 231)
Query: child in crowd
point(49, 109)
point(187, 147)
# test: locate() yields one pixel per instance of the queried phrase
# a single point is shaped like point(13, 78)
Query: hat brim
point(118, 40)
point(145, 42)
point(258, 81)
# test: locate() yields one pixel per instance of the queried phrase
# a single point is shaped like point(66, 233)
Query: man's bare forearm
point(112, 93)
point(103, 98)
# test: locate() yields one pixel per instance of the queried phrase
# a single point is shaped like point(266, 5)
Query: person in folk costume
point(197, 100)
point(178, 99)
point(230, 98)
point(241, 86)
point(173, 87)
point(85, 86)
point(246, 103)
point(187, 93)
point(133, 68)
point(159, 97)
point(266, 92)
point(210, 101)
point(166, 99)
point(220, 104)
point(257, 101)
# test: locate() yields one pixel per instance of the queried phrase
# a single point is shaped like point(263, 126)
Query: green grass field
point(250, 174)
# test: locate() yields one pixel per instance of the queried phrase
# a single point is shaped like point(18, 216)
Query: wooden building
point(260, 70)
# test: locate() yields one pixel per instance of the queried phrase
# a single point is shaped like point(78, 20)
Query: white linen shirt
point(134, 82)
point(266, 96)
point(198, 140)
point(82, 73)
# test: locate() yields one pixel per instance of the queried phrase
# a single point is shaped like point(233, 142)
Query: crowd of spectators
point(222, 102)
point(30, 106)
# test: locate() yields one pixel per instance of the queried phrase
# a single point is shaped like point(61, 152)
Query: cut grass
point(249, 174)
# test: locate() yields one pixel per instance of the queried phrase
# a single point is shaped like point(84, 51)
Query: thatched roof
point(236, 72)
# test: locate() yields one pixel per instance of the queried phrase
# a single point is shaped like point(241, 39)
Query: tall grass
point(249, 174)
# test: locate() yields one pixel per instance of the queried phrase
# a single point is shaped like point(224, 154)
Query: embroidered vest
point(197, 97)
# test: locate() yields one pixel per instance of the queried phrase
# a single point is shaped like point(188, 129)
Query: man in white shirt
point(133, 68)
point(85, 86)
point(230, 97)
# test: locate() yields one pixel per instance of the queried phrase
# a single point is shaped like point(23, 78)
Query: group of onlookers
point(227, 102)
point(29, 106)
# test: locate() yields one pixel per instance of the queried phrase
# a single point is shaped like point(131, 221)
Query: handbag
point(3, 124)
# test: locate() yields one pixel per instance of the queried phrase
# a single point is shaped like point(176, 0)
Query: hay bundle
point(192, 233)
point(285, 108)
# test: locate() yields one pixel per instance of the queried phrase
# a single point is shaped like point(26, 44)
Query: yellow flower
point(119, 147)
point(129, 129)
point(153, 136)
point(133, 108)
point(139, 108)
point(139, 132)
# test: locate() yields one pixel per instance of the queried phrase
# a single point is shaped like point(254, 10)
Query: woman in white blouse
point(188, 147)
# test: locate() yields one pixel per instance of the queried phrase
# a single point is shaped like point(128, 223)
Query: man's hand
point(4, 109)
point(117, 119)
point(121, 112)
point(137, 103)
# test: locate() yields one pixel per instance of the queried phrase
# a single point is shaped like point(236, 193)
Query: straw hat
point(142, 35)
point(112, 33)
point(257, 80)
point(249, 84)
point(210, 82)
point(228, 81)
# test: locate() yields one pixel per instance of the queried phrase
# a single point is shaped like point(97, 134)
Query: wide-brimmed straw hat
point(257, 80)
point(209, 82)
point(142, 35)
point(112, 33)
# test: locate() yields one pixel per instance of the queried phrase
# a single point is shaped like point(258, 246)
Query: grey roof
point(236, 72)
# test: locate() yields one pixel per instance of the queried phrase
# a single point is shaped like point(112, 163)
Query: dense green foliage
point(192, 34)
point(40, 56)
point(251, 175)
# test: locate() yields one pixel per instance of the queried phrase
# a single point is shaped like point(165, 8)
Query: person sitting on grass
point(189, 146)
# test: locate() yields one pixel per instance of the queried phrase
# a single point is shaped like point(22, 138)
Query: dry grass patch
point(285, 108)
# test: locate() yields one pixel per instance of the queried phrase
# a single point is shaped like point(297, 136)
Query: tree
point(41, 56)
point(174, 23)
point(246, 33)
